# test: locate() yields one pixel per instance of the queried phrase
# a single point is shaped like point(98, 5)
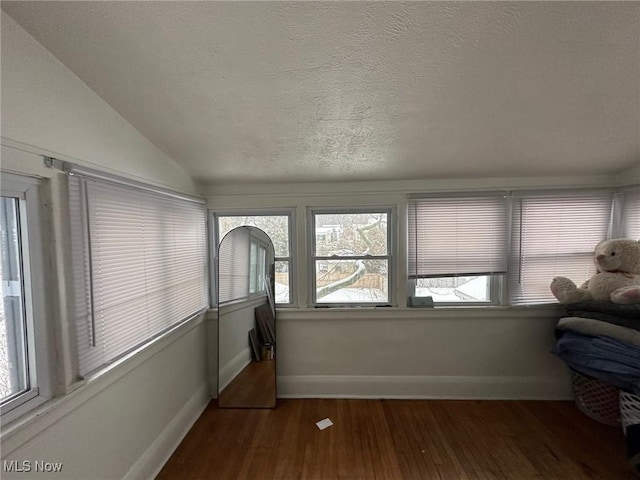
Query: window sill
point(22, 429)
point(399, 313)
point(32, 400)
point(240, 304)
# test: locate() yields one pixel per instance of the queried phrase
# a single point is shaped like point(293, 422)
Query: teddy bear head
point(618, 255)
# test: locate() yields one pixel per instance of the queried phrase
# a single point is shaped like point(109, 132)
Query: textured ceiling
point(325, 91)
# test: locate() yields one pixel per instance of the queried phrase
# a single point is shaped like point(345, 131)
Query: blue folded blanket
point(603, 358)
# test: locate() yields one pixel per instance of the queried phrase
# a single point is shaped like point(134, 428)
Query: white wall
point(234, 322)
point(126, 422)
point(420, 353)
point(47, 109)
point(397, 351)
point(630, 176)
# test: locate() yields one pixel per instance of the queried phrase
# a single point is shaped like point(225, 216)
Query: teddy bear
point(617, 278)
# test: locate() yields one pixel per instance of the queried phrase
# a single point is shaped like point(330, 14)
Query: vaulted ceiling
point(327, 91)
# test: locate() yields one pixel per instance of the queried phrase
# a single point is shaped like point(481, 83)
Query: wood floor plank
point(400, 439)
point(253, 387)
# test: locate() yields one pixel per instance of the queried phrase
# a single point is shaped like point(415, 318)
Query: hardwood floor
point(253, 387)
point(401, 439)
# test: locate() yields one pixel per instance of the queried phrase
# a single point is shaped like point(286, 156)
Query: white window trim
point(300, 234)
point(28, 191)
point(214, 215)
point(391, 211)
point(498, 291)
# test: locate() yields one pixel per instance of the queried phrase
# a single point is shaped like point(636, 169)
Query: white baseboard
point(372, 386)
point(234, 367)
point(153, 459)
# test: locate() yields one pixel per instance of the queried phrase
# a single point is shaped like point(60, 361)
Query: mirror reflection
point(246, 320)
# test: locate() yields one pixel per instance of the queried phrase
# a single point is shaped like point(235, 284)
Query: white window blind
point(140, 266)
point(453, 236)
point(631, 214)
point(555, 235)
point(233, 265)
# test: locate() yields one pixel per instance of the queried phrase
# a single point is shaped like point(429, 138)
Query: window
point(13, 344)
point(351, 257)
point(554, 234)
point(233, 267)
point(24, 352)
point(242, 266)
point(457, 247)
point(257, 265)
point(140, 267)
point(278, 227)
point(631, 214)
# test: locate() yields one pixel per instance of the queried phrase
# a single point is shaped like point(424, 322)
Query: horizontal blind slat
point(233, 267)
point(631, 214)
point(555, 235)
point(457, 236)
point(146, 255)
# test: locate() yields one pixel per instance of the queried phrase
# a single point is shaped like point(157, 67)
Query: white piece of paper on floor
point(322, 424)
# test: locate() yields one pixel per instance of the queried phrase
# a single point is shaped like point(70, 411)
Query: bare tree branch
point(361, 268)
point(345, 282)
point(361, 232)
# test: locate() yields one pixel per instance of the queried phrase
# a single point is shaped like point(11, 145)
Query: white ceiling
point(325, 91)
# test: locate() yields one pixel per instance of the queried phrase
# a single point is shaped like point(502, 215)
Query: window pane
point(257, 269)
point(282, 281)
point(352, 281)
point(348, 234)
point(455, 289)
point(262, 264)
point(253, 269)
point(276, 226)
point(13, 371)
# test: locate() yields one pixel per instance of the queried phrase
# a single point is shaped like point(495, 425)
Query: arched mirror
point(246, 320)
